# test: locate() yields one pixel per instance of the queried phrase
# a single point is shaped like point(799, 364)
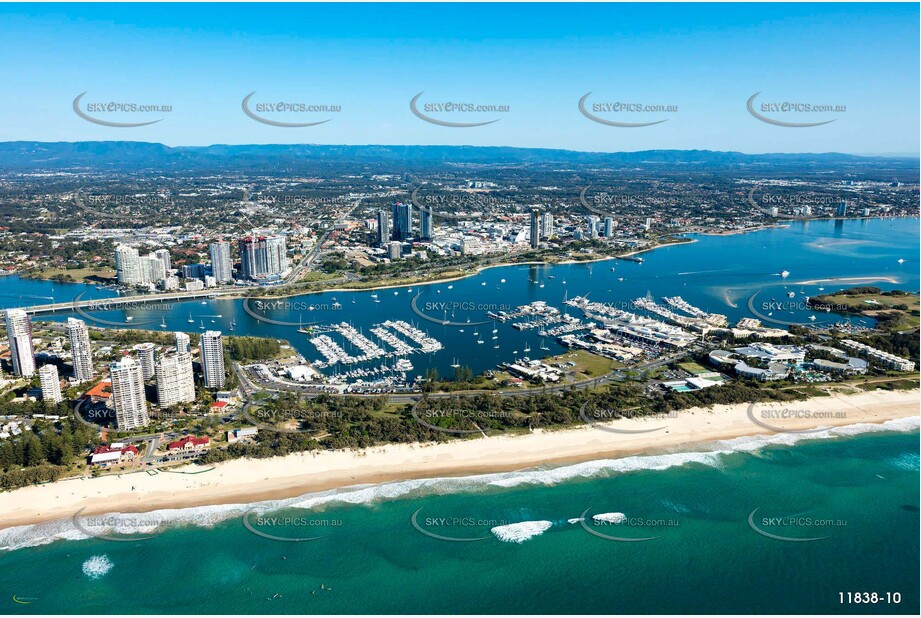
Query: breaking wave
point(206, 516)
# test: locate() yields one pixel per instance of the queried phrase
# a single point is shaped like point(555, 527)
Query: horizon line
point(569, 150)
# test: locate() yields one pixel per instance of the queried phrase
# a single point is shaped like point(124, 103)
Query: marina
point(698, 298)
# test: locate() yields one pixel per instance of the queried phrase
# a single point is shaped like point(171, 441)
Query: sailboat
point(454, 363)
point(162, 322)
point(191, 321)
point(233, 323)
point(202, 325)
point(543, 346)
point(527, 347)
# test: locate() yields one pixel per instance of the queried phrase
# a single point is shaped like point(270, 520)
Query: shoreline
point(475, 272)
point(235, 294)
point(243, 481)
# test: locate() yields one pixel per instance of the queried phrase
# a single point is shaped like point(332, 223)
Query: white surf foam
point(610, 518)
point(521, 532)
point(97, 566)
point(712, 455)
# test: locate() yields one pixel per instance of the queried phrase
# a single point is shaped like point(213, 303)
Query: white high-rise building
point(147, 358)
point(80, 349)
point(593, 226)
point(221, 264)
point(51, 383)
point(264, 257)
point(128, 394)
point(127, 265)
point(152, 270)
point(175, 380)
point(163, 256)
point(183, 344)
point(212, 359)
point(19, 332)
point(547, 224)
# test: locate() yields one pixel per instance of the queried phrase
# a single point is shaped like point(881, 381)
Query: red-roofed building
point(101, 391)
point(188, 443)
point(113, 453)
point(218, 406)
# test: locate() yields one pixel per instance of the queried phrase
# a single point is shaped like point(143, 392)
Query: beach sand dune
point(246, 481)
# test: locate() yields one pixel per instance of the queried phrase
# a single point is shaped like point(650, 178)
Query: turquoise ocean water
point(853, 489)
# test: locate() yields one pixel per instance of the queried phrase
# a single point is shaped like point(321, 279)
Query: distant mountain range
point(122, 155)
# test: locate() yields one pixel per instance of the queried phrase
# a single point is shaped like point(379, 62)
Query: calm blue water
point(717, 274)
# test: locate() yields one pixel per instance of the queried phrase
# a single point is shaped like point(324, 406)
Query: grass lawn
point(693, 368)
point(588, 364)
point(871, 305)
point(75, 274)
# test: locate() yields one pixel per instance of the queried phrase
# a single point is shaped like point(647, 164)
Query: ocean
point(783, 524)
point(779, 524)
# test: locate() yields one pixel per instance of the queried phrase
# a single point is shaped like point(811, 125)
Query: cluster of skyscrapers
point(134, 269)
point(397, 225)
point(22, 353)
point(263, 258)
point(175, 378)
point(173, 370)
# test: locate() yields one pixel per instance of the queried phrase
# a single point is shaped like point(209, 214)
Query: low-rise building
point(114, 453)
point(852, 366)
point(878, 357)
point(188, 443)
point(245, 434)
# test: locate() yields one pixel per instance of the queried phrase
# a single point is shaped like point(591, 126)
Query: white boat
point(454, 363)
point(450, 287)
point(785, 273)
point(527, 348)
point(191, 321)
point(480, 341)
point(129, 318)
point(501, 280)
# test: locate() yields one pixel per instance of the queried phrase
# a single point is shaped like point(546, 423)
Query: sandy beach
point(243, 481)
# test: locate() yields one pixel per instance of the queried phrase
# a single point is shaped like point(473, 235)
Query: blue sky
point(539, 60)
